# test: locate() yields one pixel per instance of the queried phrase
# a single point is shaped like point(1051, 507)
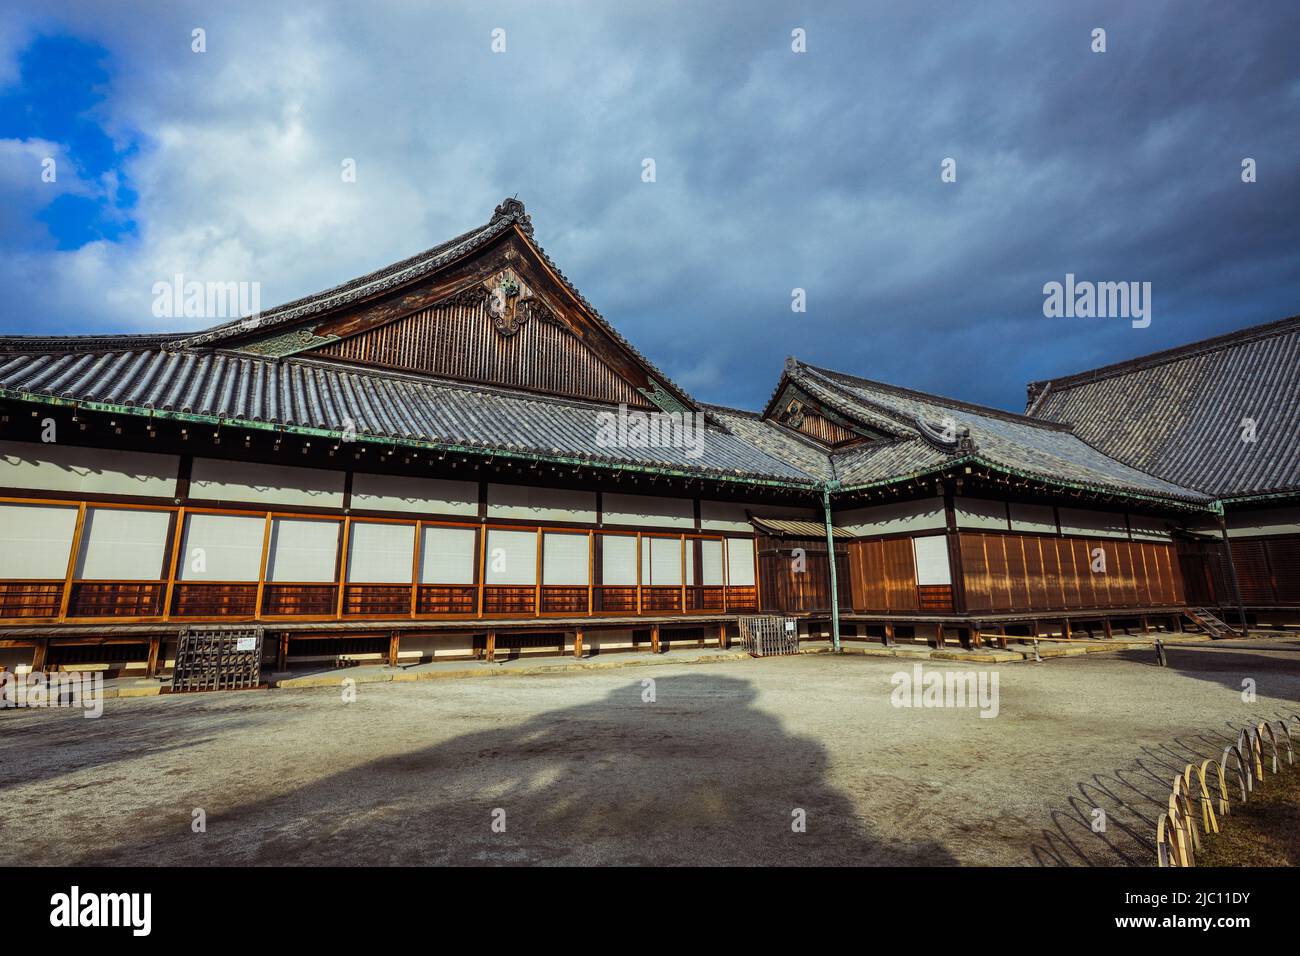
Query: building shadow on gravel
point(1132, 798)
point(1276, 672)
point(698, 776)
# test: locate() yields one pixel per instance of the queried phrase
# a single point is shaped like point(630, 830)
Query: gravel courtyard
point(586, 771)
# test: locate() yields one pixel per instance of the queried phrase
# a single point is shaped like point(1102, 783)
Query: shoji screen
point(511, 557)
point(618, 560)
point(932, 560)
point(665, 561)
point(380, 553)
point(740, 562)
point(564, 559)
point(711, 563)
point(303, 551)
point(127, 545)
point(447, 555)
point(35, 541)
point(221, 548)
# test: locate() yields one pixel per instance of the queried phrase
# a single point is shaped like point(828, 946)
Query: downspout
point(830, 561)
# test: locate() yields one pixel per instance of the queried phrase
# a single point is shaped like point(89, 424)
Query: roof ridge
point(988, 410)
point(1250, 333)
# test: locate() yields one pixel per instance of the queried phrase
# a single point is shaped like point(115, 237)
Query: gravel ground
point(713, 771)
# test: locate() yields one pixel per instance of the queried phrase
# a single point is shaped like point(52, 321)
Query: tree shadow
point(699, 776)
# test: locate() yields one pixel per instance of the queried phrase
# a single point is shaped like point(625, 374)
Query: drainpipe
point(830, 560)
point(1232, 566)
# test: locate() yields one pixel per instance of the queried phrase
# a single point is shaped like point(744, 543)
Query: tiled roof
point(233, 387)
point(1181, 414)
point(1004, 440)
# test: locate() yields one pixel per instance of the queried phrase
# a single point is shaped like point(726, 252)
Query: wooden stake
point(491, 645)
point(394, 646)
point(577, 643)
point(654, 639)
point(722, 635)
point(151, 668)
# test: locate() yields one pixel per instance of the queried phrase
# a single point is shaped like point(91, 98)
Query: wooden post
point(722, 635)
point(394, 645)
point(1034, 630)
point(1105, 626)
point(1002, 636)
point(1146, 629)
point(151, 668)
point(976, 642)
point(889, 635)
point(938, 635)
point(577, 643)
point(654, 639)
point(1065, 629)
point(39, 653)
point(282, 658)
point(491, 645)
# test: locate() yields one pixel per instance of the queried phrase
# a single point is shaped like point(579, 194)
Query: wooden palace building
point(457, 456)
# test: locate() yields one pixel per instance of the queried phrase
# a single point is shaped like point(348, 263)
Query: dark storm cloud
point(775, 170)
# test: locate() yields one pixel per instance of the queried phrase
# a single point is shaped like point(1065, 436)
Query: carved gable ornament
point(512, 305)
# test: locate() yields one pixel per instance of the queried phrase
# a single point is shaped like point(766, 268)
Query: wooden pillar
point(39, 653)
point(1105, 626)
point(151, 668)
point(282, 658)
point(722, 635)
point(491, 645)
point(394, 645)
point(938, 635)
point(1002, 636)
point(1065, 628)
point(888, 639)
point(1034, 630)
point(976, 641)
point(577, 643)
point(1146, 629)
point(654, 639)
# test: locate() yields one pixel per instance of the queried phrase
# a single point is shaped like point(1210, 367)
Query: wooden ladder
point(1209, 623)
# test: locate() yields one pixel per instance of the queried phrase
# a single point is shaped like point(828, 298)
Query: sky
point(774, 170)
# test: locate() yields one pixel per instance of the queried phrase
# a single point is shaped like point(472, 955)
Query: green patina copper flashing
point(1271, 496)
point(287, 343)
point(481, 451)
point(662, 397)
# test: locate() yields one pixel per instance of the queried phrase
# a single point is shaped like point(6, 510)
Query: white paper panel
point(121, 544)
point(541, 504)
point(1149, 529)
point(426, 496)
point(730, 515)
point(981, 513)
point(56, 467)
point(893, 518)
point(692, 549)
point(565, 559)
point(216, 479)
point(618, 559)
point(648, 511)
point(1248, 524)
point(665, 561)
point(221, 548)
point(740, 562)
point(380, 553)
point(1040, 518)
point(511, 557)
point(447, 555)
point(1075, 521)
point(711, 559)
point(932, 560)
point(302, 550)
point(35, 541)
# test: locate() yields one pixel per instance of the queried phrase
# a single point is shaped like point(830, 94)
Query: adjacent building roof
point(1188, 414)
point(933, 432)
